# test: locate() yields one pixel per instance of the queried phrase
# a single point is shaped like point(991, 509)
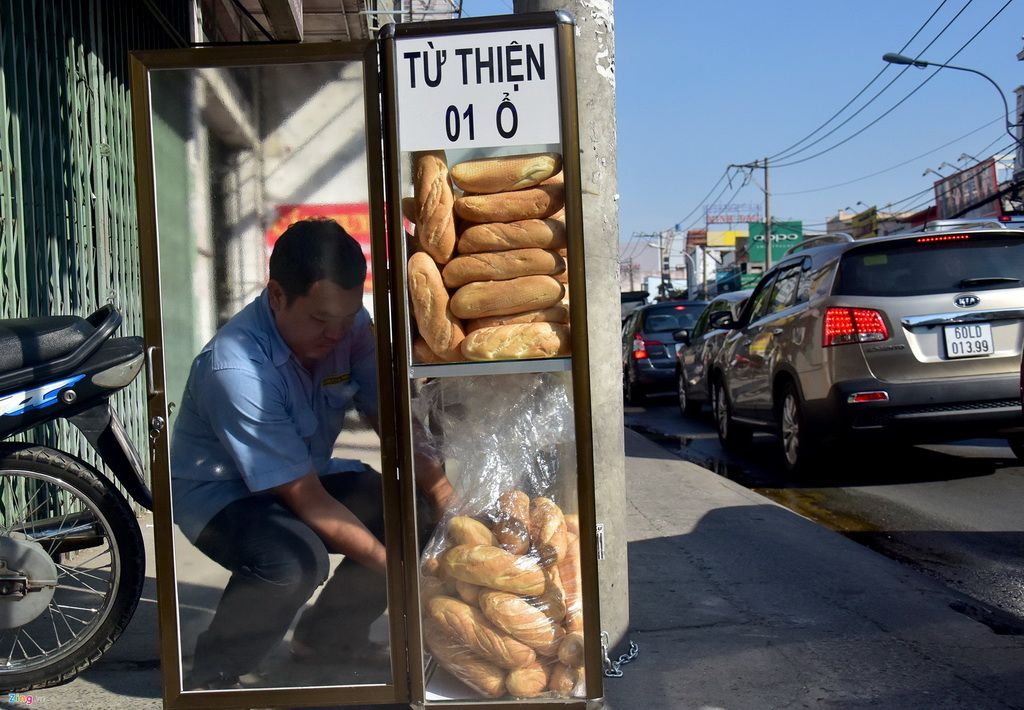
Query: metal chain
point(613, 669)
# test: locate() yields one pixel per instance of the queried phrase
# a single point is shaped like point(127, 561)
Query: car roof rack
point(941, 225)
point(834, 238)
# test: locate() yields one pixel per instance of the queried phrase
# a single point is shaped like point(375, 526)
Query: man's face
point(313, 323)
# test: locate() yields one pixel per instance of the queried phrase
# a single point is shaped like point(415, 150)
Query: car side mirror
point(722, 319)
point(682, 336)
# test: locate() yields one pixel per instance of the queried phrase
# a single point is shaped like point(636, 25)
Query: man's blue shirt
point(252, 417)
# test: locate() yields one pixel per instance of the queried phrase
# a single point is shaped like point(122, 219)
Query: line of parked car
point(910, 338)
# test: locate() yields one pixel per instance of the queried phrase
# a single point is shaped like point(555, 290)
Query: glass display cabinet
point(449, 151)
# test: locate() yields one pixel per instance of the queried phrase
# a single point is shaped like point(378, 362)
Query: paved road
point(953, 512)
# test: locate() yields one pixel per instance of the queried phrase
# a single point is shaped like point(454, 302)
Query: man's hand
point(433, 482)
point(336, 525)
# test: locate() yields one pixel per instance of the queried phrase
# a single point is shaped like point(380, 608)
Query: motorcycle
point(72, 562)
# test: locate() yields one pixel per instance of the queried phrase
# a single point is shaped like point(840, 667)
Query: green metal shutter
point(68, 227)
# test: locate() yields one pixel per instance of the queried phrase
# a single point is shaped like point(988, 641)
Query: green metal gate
point(68, 229)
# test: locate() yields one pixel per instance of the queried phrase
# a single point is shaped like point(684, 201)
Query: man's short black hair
point(315, 249)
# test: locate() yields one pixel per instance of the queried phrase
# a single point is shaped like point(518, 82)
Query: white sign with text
point(478, 90)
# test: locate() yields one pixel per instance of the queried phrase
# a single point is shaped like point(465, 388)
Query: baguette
point(421, 352)
point(438, 326)
point(503, 298)
point(517, 342)
point(470, 627)
point(524, 234)
point(570, 573)
point(435, 224)
point(528, 682)
point(572, 523)
point(431, 587)
point(552, 601)
point(501, 266)
point(494, 568)
point(463, 530)
point(570, 652)
point(547, 530)
point(410, 209)
point(532, 203)
point(458, 660)
point(563, 679)
point(469, 593)
point(512, 528)
point(513, 172)
point(558, 313)
point(520, 619)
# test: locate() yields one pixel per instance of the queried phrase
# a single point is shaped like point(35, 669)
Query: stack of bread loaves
point(497, 290)
point(501, 601)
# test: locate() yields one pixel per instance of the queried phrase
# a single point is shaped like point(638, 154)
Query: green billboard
point(784, 236)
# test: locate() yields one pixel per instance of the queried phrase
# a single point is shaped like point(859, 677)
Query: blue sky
point(701, 85)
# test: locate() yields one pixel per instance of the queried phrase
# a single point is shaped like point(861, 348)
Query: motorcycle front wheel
point(72, 566)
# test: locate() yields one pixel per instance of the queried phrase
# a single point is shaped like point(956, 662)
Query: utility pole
point(595, 94)
point(767, 209)
point(767, 219)
point(666, 277)
point(631, 269)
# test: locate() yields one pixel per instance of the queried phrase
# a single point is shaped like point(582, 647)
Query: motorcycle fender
point(104, 431)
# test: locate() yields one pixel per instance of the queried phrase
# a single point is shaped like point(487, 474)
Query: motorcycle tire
point(74, 515)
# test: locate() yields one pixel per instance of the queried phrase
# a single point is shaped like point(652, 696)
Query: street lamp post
point(894, 58)
point(693, 270)
point(693, 267)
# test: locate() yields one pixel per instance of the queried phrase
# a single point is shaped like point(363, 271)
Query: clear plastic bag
point(500, 574)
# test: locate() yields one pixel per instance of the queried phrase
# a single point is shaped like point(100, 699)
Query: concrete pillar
point(595, 76)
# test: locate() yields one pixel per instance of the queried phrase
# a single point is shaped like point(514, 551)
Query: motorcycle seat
point(25, 342)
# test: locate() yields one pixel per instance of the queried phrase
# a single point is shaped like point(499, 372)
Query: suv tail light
point(853, 325)
point(640, 346)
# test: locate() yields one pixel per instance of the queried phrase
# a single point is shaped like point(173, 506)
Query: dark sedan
point(649, 346)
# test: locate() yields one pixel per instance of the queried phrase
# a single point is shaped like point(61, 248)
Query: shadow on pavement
point(756, 607)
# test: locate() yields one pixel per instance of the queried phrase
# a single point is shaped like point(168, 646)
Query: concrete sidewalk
point(735, 602)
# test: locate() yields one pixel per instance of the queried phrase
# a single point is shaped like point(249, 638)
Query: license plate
point(969, 340)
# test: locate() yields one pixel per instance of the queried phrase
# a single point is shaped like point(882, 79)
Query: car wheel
point(1017, 446)
point(633, 392)
point(799, 453)
point(687, 407)
point(730, 434)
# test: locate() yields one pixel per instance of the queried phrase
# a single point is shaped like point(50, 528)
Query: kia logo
point(966, 301)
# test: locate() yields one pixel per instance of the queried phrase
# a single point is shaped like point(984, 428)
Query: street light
point(693, 266)
point(894, 58)
point(934, 172)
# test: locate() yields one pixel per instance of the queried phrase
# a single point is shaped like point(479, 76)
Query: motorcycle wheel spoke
point(78, 578)
point(24, 513)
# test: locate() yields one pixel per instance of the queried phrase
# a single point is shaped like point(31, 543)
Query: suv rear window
point(919, 266)
point(672, 317)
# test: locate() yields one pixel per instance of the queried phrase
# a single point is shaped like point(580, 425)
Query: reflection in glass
point(270, 367)
point(500, 576)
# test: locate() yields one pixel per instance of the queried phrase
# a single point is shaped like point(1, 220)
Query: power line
point(781, 154)
point(950, 186)
point(901, 101)
point(703, 201)
point(898, 165)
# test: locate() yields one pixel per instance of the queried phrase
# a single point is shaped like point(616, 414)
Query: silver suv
point(915, 336)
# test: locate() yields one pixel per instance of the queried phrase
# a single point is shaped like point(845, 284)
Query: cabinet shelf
point(503, 367)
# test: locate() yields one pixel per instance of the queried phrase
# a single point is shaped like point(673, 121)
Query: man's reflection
point(254, 484)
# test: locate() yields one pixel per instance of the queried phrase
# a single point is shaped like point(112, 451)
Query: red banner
point(353, 217)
